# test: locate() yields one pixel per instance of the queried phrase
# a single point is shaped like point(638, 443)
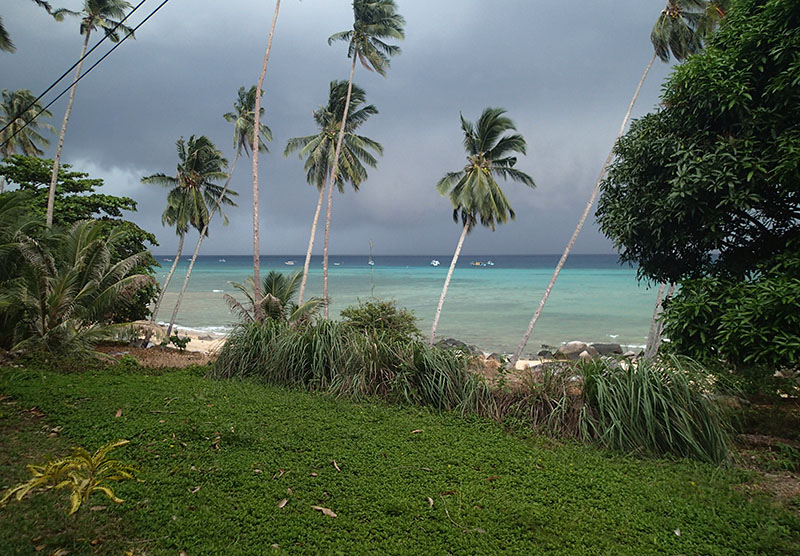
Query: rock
point(544, 353)
point(585, 356)
point(452, 343)
point(629, 354)
point(574, 386)
point(206, 338)
point(494, 357)
point(608, 349)
point(572, 351)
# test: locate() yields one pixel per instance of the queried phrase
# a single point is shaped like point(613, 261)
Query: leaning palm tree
point(319, 150)
point(681, 30)
point(277, 303)
point(255, 143)
point(374, 21)
point(243, 119)
point(192, 191)
point(19, 131)
point(96, 14)
point(5, 39)
point(473, 190)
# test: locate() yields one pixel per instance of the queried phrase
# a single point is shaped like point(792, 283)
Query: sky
point(564, 71)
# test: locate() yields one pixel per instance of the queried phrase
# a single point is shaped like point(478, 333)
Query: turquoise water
point(594, 298)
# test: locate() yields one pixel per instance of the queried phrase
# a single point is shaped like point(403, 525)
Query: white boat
point(223, 261)
point(435, 262)
point(289, 263)
point(371, 262)
point(336, 264)
point(489, 263)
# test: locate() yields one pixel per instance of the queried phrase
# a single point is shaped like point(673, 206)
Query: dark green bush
point(377, 316)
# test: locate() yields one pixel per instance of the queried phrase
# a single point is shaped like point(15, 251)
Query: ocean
point(594, 299)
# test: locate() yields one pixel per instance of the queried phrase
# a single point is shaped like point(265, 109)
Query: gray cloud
point(565, 71)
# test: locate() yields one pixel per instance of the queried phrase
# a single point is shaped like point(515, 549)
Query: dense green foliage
point(748, 324)
point(64, 289)
point(215, 458)
point(378, 317)
point(657, 407)
point(77, 199)
point(277, 303)
point(710, 183)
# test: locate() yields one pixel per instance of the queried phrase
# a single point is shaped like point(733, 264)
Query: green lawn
point(217, 457)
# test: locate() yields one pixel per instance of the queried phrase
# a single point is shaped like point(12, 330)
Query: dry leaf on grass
point(336, 466)
point(314, 474)
point(416, 431)
point(290, 491)
point(283, 502)
point(97, 508)
point(326, 511)
point(195, 490)
point(118, 414)
point(430, 501)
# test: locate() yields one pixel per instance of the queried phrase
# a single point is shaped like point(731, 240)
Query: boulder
point(572, 351)
point(452, 343)
point(629, 354)
point(495, 357)
point(608, 349)
point(544, 353)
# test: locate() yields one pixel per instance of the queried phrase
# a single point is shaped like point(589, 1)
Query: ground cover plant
point(235, 467)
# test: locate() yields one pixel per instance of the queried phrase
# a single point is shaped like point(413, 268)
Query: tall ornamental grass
point(663, 406)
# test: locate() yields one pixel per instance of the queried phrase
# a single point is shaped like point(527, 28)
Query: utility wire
point(84, 74)
point(63, 75)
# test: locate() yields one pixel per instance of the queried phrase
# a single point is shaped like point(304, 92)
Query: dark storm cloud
point(565, 71)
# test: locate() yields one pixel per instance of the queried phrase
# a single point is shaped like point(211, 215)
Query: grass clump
point(656, 406)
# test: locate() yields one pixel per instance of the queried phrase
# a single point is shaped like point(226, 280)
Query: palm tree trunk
point(51, 196)
point(657, 326)
point(447, 281)
point(331, 181)
point(203, 232)
point(582, 220)
point(310, 247)
point(167, 281)
point(256, 130)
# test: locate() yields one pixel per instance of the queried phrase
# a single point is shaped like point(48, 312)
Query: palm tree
point(473, 190)
point(96, 14)
point(276, 304)
point(319, 150)
point(255, 147)
point(192, 192)
point(374, 21)
point(20, 132)
point(5, 39)
point(680, 29)
point(243, 120)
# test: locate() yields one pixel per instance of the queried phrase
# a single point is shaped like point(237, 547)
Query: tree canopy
point(710, 183)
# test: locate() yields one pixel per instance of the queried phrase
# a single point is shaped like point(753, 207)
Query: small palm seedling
point(180, 342)
point(82, 473)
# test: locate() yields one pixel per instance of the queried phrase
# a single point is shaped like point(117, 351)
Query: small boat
point(289, 263)
point(371, 262)
point(489, 263)
point(223, 261)
point(435, 262)
point(167, 260)
point(336, 264)
point(476, 263)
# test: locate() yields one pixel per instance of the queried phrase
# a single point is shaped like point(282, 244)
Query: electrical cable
point(84, 74)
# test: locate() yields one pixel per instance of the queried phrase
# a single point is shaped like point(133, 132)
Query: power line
point(87, 72)
point(63, 75)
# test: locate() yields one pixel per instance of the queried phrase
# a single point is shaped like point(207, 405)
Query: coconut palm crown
point(374, 21)
point(100, 14)
point(683, 26)
point(473, 190)
point(243, 120)
point(17, 109)
point(318, 149)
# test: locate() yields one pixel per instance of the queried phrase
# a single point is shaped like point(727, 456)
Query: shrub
point(656, 406)
point(377, 316)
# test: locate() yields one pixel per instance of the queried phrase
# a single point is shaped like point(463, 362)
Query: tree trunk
point(51, 196)
point(582, 220)
point(199, 242)
point(447, 281)
point(167, 281)
point(256, 133)
point(310, 247)
point(331, 180)
point(657, 326)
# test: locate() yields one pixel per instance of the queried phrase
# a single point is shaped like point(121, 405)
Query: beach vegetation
point(703, 192)
point(356, 151)
point(473, 191)
point(192, 193)
point(95, 14)
point(374, 23)
point(66, 290)
point(79, 197)
point(234, 467)
point(381, 316)
point(243, 121)
point(681, 30)
point(277, 301)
